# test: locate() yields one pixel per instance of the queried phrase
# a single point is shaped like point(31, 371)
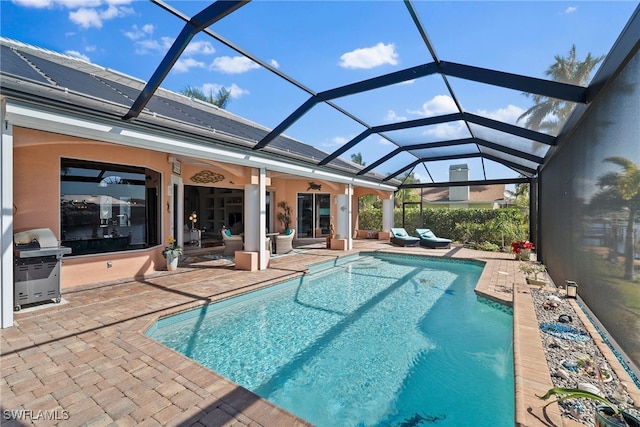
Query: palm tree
point(221, 99)
point(407, 194)
point(548, 114)
point(621, 191)
point(523, 198)
point(357, 159)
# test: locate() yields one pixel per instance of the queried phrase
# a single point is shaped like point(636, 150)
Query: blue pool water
point(380, 340)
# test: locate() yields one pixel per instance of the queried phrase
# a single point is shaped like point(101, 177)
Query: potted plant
point(172, 253)
point(522, 249)
point(607, 414)
point(285, 216)
point(533, 268)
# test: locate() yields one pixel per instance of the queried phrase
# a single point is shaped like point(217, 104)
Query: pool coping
point(89, 358)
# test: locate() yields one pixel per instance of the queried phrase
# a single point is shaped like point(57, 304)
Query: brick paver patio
point(87, 362)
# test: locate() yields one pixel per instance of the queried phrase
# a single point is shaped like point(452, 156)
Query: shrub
point(370, 219)
point(487, 246)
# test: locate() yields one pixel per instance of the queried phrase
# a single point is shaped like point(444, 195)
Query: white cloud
point(439, 104)
point(233, 65)
point(91, 16)
point(384, 141)
point(445, 131)
point(444, 104)
point(78, 55)
point(71, 4)
point(370, 57)
point(74, 4)
point(119, 2)
point(199, 48)
point(338, 140)
point(86, 18)
point(509, 114)
point(393, 117)
point(144, 47)
point(186, 64)
point(85, 13)
point(138, 33)
point(235, 91)
point(38, 4)
point(274, 63)
point(111, 12)
point(420, 177)
point(570, 9)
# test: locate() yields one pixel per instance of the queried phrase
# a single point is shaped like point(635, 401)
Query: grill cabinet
point(36, 275)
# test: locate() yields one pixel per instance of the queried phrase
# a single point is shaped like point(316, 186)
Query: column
point(343, 212)
point(387, 214)
point(255, 214)
point(6, 222)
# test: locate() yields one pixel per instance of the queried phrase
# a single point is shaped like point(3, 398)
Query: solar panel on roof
point(76, 80)
point(81, 81)
point(13, 64)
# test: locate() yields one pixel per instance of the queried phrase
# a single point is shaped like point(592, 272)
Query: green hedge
point(370, 218)
point(496, 227)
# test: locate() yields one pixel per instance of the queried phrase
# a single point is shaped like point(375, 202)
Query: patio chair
point(430, 240)
point(231, 243)
point(284, 242)
point(400, 237)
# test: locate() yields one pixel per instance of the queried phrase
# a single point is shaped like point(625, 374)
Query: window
point(108, 208)
point(314, 214)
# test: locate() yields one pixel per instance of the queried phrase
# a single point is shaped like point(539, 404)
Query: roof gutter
point(49, 119)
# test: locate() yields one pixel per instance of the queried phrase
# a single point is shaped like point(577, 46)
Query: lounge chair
point(430, 240)
point(284, 242)
point(231, 243)
point(400, 237)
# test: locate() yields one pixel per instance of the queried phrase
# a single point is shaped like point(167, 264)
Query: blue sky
point(324, 44)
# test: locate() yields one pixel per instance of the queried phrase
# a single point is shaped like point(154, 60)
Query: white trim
point(48, 119)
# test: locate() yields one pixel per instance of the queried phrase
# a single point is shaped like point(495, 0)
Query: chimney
point(459, 173)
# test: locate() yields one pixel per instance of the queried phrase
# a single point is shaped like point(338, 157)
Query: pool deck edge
point(89, 363)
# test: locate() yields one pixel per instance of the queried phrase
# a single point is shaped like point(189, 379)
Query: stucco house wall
point(37, 157)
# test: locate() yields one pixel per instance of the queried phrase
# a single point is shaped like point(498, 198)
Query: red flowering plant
point(522, 249)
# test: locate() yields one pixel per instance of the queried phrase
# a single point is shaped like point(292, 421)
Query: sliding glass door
point(314, 214)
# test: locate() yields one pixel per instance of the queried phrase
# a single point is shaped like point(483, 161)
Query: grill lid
point(39, 242)
point(44, 237)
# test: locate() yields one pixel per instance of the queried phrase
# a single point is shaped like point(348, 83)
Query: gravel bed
point(563, 353)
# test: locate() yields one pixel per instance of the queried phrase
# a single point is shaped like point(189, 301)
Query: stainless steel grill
point(37, 256)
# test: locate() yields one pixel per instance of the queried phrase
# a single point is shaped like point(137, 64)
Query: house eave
point(152, 133)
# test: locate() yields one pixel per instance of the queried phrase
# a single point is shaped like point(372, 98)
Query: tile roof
point(477, 193)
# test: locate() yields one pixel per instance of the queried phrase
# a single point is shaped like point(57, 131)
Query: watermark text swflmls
point(28, 414)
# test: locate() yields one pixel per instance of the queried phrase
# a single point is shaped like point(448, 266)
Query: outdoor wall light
point(572, 289)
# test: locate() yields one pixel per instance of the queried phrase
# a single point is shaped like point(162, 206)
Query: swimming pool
point(379, 340)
